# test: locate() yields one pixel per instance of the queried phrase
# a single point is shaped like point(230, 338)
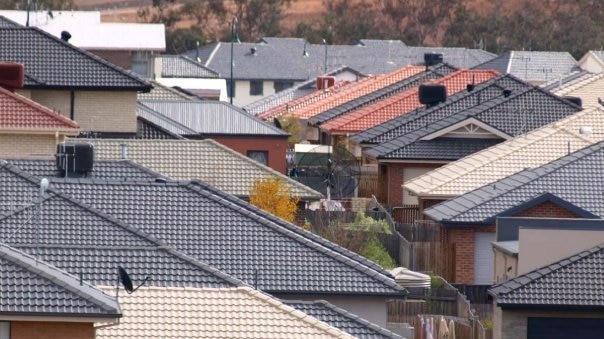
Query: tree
point(271, 195)
point(293, 126)
point(259, 18)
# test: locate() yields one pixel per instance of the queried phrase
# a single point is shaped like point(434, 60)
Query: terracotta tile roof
point(401, 103)
point(19, 112)
point(355, 90)
point(240, 312)
point(303, 101)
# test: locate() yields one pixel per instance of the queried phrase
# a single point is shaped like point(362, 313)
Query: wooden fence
point(368, 185)
point(406, 214)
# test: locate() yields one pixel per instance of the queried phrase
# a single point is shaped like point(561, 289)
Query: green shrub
point(373, 250)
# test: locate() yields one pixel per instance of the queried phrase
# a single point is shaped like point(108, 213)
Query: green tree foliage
point(258, 19)
point(374, 250)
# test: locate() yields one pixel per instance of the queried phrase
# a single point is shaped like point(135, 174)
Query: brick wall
point(103, 111)
point(119, 58)
point(463, 238)
point(51, 330)
point(395, 181)
point(276, 148)
point(15, 145)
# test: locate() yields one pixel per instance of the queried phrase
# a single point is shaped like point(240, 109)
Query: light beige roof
point(204, 160)
point(588, 88)
point(533, 149)
point(242, 312)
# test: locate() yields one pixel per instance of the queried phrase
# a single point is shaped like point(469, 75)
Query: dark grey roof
point(35, 288)
point(235, 237)
point(6, 22)
point(52, 63)
point(87, 243)
point(145, 129)
point(517, 114)
point(569, 180)
point(534, 66)
point(103, 169)
point(282, 58)
point(342, 319)
point(180, 66)
point(422, 117)
point(299, 90)
point(433, 73)
point(204, 118)
point(573, 282)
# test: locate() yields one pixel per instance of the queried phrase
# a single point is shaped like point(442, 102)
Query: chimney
point(124, 151)
point(11, 75)
point(324, 82)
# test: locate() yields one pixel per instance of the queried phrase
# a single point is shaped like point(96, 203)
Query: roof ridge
point(60, 278)
point(40, 108)
point(301, 316)
point(582, 82)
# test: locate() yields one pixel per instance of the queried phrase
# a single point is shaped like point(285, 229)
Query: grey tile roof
point(235, 237)
point(423, 117)
point(5, 22)
point(52, 63)
point(342, 319)
point(162, 92)
point(281, 58)
point(299, 90)
point(87, 243)
point(433, 73)
point(180, 66)
point(522, 112)
point(145, 129)
point(103, 169)
point(569, 179)
point(533, 66)
point(32, 287)
point(567, 80)
point(572, 282)
point(204, 117)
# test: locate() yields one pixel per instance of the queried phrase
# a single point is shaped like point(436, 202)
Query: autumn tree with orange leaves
point(271, 195)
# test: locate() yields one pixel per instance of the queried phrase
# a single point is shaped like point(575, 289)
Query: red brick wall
point(276, 148)
point(547, 210)
point(395, 181)
point(464, 238)
point(51, 330)
point(119, 58)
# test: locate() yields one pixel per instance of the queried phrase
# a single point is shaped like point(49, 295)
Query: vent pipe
point(124, 151)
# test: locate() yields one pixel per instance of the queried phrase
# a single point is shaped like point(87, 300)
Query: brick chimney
point(11, 75)
point(324, 82)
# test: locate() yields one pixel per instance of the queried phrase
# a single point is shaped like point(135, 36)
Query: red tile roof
point(366, 117)
point(302, 101)
point(18, 112)
point(356, 90)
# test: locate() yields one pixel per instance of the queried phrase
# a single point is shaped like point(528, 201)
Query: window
point(281, 85)
point(260, 156)
point(4, 330)
point(256, 87)
point(140, 68)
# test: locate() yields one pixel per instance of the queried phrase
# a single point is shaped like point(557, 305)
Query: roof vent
point(161, 180)
point(431, 59)
point(470, 87)
point(507, 93)
point(575, 100)
point(11, 75)
point(75, 159)
point(325, 82)
point(254, 51)
point(432, 94)
point(65, 36)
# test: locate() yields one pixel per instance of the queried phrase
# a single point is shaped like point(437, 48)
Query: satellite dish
point(333, 171)
point(127, 282)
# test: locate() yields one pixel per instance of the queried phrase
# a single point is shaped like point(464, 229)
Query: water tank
point(575, 100)
point(75, 158)
point(432, 94)
point(431, 59)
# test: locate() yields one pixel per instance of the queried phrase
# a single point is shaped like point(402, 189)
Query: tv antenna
point(124, 278)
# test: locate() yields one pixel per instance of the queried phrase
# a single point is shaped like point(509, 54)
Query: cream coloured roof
point(588, 88)
point(204, 160)
point(533, 149)
point(242, 312)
